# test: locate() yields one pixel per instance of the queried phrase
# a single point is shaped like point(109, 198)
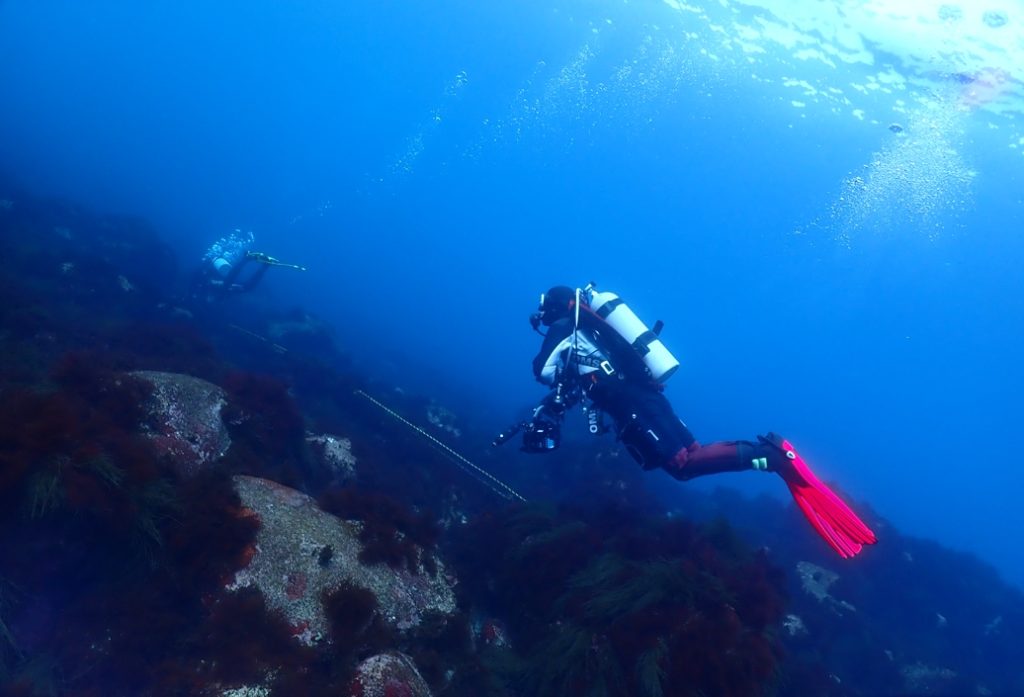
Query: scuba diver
point(221, 272)
point(598, 353)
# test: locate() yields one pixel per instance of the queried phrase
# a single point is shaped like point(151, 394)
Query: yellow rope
point(265, 340)
point(493, 483)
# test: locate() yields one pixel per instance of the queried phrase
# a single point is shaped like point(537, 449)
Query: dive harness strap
point(601, 364)
point(608, 308)
point(642, 343)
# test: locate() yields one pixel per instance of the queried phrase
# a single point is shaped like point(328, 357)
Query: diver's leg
point(234, 272)
point(255, 278)
point(831, 518)
point(647, 426)
point(696, 460)
point(655, 437)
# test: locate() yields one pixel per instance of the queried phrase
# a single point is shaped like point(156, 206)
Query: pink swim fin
point(831, 518)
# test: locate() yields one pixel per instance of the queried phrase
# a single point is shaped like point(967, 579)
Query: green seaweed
point(45, 489)
point(615, 606)
point(574, 661)
point(617, 587)
point(156, 505)
point(10, 653)
point(106, 471)
point(555, 536)
point(650, 672)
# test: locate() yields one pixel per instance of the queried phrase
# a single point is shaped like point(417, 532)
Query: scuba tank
point(618, 316)
point(227, 251)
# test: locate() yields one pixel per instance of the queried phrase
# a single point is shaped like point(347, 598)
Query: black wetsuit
point(592, 356)
point(644, 418)
point(209, 285)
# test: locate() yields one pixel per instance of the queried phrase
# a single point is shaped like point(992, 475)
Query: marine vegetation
point(391, 533)
point(73, 458)
point(115, 564)
point(612, 603)
point(267, 429)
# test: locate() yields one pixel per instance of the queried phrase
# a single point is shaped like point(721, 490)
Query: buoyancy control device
point(647, 344)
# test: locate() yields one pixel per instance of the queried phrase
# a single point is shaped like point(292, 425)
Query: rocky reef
point(193, 507)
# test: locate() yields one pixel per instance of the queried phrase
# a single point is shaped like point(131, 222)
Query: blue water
point(438, 165)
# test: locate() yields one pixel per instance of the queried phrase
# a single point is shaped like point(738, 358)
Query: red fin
point(831, 518)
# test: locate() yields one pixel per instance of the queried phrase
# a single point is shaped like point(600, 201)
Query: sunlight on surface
point(917, 77)
point(927, 70)
point(970, 47)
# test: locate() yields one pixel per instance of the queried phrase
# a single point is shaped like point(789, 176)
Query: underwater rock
point(443, 419)
point(794, 625)
point(46, 233)
point(334, 455)
point(185, 420)
point(125, 285)
point(299, 323)
point(290, 567)
point(490, 632)
point(302, 332)
point(922, 679)
point(387, 675)
point(246, 691)
point(816, 580)
point(994, 626)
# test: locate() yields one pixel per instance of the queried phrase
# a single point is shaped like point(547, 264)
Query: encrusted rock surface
point(922, 679)
point(794, 626)
point(247, 691)
point(302, 551)
point(443, 418)
point(816, 580)
point(334, 455)
point(389, 675)
point(185, 416)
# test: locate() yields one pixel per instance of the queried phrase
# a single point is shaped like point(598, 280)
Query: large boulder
point(389, 675)
point(185, 419)
point(302, 552)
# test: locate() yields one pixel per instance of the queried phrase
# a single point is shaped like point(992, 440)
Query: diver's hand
point(546, 412)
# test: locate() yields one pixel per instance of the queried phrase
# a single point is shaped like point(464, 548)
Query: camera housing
point(541, 437)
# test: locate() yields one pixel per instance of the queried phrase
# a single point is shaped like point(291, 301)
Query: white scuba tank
point(619, 317)
point(222, 266)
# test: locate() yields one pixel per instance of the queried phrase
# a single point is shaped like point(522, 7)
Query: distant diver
point(220, 274)
point(598, 353)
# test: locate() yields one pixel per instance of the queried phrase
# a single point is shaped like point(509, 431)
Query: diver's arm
point(557, 333)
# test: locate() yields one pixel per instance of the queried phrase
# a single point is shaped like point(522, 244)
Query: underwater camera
point(541, 437)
